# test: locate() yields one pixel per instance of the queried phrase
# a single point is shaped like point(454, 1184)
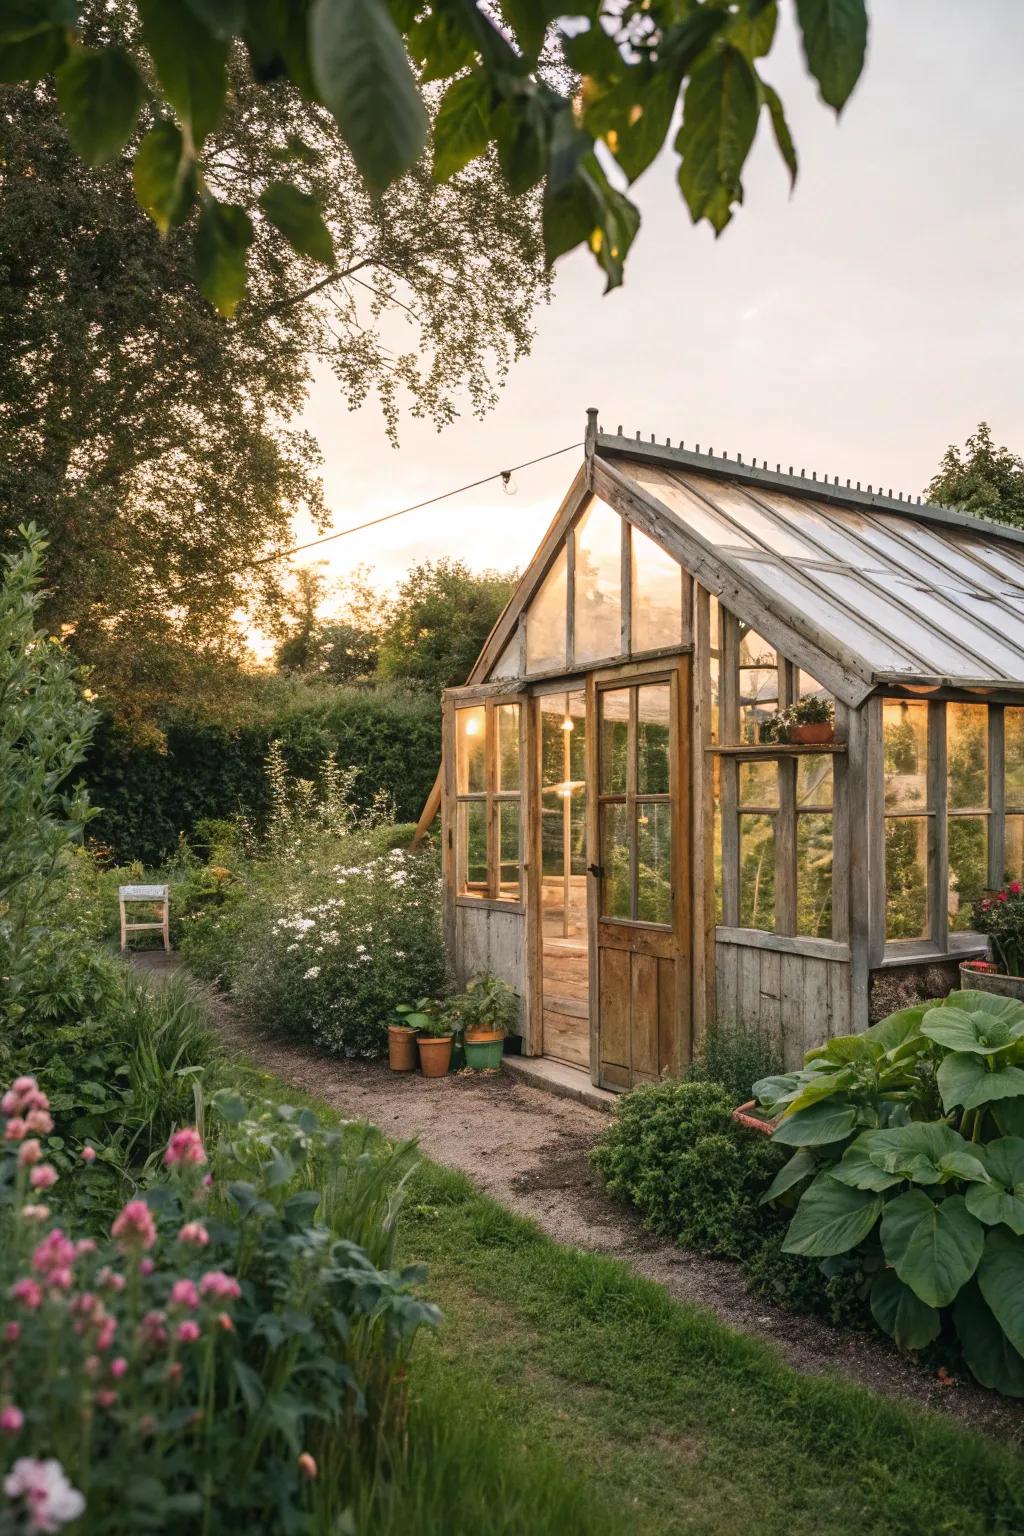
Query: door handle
point(597, 870)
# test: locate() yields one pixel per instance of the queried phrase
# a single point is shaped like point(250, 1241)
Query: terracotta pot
point(820, 734)
point(435, 1054)
point(484, 1048)
point(401, 1048)
point(752, 1122)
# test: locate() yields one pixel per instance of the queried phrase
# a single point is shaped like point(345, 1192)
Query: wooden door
point(639, 874)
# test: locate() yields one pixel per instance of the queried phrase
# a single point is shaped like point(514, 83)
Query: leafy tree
point(333, 650)
point(983, 479)
point(436, 625)
point(150, 437)
point(360, 60)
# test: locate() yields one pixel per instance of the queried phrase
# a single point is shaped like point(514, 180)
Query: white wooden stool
point(159, 896)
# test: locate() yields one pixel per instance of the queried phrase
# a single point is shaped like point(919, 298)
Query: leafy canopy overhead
point(982, 479)
point(365, 61)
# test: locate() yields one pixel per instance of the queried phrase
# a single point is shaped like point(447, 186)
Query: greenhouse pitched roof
point(894, 591)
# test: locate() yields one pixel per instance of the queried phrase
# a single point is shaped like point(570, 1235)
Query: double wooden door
point(638, 873)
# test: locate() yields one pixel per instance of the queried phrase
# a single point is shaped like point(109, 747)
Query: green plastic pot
point(484, 1052)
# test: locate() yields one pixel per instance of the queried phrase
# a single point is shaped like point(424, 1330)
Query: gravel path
point(529, 1150)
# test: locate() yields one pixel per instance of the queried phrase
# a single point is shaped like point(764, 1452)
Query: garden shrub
point(736, 1054)
point(909, 1160)
point(148, 795)
point(230, 1357)
point(694, 1174)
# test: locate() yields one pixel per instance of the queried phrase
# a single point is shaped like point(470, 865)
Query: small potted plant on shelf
point(487, 1011)
point(434, 1040)
point(811, 721)
point(999, 915)
point(402, 1035)
point(774, 728)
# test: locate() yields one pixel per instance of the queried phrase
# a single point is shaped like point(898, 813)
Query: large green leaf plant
point(909, 1155)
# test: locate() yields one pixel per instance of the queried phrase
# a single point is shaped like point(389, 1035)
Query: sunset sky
point(855, 328)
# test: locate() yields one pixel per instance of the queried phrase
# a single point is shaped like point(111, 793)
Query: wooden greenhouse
point(618, 841)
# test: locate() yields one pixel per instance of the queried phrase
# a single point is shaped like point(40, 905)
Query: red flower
point(1001, 896)
point(1014, 887)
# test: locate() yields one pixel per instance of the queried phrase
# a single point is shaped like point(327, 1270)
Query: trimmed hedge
point(148, 795)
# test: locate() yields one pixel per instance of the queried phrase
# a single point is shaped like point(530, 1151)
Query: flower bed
point(222, 1352)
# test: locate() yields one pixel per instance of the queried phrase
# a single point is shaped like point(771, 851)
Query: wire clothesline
point(374, 522)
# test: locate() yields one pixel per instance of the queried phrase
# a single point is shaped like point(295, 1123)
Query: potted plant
point(402, 1035)
point(434, 1040)
point(1000, 915)
point(811, 721)
point(487, 1011)
point(772, 729)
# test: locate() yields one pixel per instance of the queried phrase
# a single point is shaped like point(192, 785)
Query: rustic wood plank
point(873, 811)
point(816, 1028)
point(566, 1038)
point(856, 834)
point(749, 986)
point(938, 829)
point(701, 807)
point(593, 886)
point(726, 983)
point(839, 1000)
point(997, 795)
point(791, 1009)
point(785, 943)
point(533, 939)
point(644, 1010)
point(614, 983)
point(675, 1049)
point(771, 995)
point(626, 587)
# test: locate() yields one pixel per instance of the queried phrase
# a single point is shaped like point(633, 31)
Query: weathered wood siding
point(800, 1000)
point(489, 940)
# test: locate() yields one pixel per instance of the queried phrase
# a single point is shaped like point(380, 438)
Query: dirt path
point(529, 1150)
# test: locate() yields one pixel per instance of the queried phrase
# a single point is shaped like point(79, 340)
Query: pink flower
point(39, 1120)
point(44, 1176)
point(188, 1331)
point(195, 1233)
point(88, 1154)
point(224, 1322)
point(11, 1420)
point(146, 1267)
point(50, 1500)
point(185, 1146)
point(54, 1252)
point(307, 1466)
point(27, 1291)
point(184, 1294)
point(134, 1227)
point(118, 1367)
point(152, 1328)
point(106, 1397)
point(15, 1129)
point(24, 1085)
point(219, 1285)
point(12, 1333)
point(110, 1279)
point(35, 1212)
point(29, 1152)
point(83, 1246)
point(105, 1336)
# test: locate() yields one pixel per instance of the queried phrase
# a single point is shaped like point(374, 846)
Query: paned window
point(488, 833)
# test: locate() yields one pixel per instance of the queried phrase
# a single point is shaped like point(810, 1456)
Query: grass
point(564, 1394)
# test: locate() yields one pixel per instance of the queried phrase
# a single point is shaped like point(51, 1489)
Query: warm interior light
point(472, 726)
point(567, 724)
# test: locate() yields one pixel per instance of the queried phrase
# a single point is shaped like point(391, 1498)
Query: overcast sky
point(855, 328)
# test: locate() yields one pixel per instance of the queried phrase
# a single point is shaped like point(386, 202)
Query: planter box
point(821, 734)
point(992, 981)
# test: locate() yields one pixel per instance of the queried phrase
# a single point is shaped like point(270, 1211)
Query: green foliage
point(354, 58)
point(260, 1333)
point(487, 1003)
point(44, 732)
point(982, 479)
point(910, 1136)
point(147, 796)
point(436, 625)
point(1001, 915)
point(736, 1054)
point(675, 1152)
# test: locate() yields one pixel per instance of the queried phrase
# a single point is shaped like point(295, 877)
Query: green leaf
point(30, 58)
point(646, 123)
point(529, 21)
point(362, 73)
point(821, 1084)
point(859, 1170)
point(775, 1092)
point(897, 1029)
point(100, 95)
point(462, 127)
point(901, 1314)
point(222, 241)
point(581, 206)
point(831, 1218)
point(1008, 1115)
point(719, 122)
point(753, 29)
point(224, 18)
point(1002, 1199)
point(297, 215)
point(835, 34)
point(927, 1152)
point(165, 177)
point(817, 1126)
point(978, 1022)
point(20, 19)
point(965, 1079)
point(300, 1208)
point(800, 1166)
point(190, 64)
point(990, 1356)
point(934, 1247)
point(1001, 1278)
point(440, 44)
point(783, 137)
